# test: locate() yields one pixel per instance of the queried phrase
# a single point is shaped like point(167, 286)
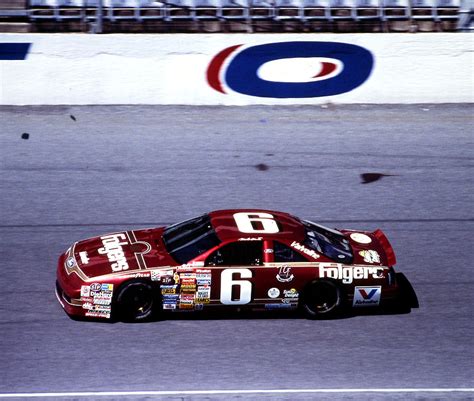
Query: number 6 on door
point(228, 283)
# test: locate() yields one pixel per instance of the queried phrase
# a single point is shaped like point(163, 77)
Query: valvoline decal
point(342, 67)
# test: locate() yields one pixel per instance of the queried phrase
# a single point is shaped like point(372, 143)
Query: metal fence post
point(99, 18)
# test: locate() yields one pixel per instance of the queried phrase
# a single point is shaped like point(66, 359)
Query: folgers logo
point(290, 69)
point(112, 247)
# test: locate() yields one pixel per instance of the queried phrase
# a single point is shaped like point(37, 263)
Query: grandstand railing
point(300, 13)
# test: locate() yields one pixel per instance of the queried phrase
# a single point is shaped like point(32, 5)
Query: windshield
point(330, 243)
point(188, 239)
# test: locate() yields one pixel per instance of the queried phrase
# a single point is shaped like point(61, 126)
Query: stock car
point(242, 259)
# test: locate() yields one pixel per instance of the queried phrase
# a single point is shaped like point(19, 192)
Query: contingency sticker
point(370, 256)
point(97, 299)
point(361, 238)
point(367, 296)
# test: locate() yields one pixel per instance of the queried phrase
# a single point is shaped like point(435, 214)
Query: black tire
point(321, 299)
point(136, 301)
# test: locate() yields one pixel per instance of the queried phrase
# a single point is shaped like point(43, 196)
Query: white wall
point(171, 69)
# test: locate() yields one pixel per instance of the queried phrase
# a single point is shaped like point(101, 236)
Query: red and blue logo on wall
point(283, 69)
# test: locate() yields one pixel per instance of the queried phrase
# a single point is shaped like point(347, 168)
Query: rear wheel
point(321, 299)
point(136, 301)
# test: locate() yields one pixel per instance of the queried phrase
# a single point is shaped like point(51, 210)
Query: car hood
point(122, 252)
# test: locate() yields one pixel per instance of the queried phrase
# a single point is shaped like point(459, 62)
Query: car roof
point(225, 224)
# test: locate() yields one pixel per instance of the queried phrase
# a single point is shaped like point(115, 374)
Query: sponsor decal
point(284, 274)
point(349, 273)
point(189, 266)
point(102, 301)
point(370, 256)
point(188, 290)
point(361, 238)
point(87, 305)
point(112, 247)
point(98, 311)
point(84, 257)
point(167, 279)
point(367, 296)
point(305, 250)
point(290, 296)
point(203, 277)
point(273, 292)
point(199, 306)
point(70, 262)
point(291, 293)
point(188, 281)
point(176, 278)
point(168, 289)
point(338, 68)
point(85, 291)
point(250, 239)
point(170, 299)
point(203, 292)
point(169, 306)
point(137, 275)
point(160, 275)
point(101, 295)
point(186, 301)
point(269, 250)
point(190, 275)
point(278, 306)
point(98, 314)
point(107, 287)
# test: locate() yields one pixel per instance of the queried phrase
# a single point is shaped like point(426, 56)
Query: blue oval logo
point(343, 67)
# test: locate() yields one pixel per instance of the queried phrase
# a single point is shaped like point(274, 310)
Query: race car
point(241, 259)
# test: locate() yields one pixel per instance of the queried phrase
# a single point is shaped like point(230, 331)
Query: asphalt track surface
point(85, 171)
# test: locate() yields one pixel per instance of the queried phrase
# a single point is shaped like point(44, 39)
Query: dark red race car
point(254, 259)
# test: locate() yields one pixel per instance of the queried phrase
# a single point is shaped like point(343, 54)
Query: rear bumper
point(398, 295)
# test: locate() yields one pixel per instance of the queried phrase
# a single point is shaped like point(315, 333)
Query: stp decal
point(277, 70)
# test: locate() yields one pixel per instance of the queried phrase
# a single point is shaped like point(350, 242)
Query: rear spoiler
point(387, 247)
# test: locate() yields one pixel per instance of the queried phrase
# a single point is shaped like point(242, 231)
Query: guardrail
point(245, 15)
point(278, 15)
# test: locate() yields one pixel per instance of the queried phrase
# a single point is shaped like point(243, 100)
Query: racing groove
point(84, 171)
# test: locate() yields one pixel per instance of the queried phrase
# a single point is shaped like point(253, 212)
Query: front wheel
point(136, 301)
point(321, 299)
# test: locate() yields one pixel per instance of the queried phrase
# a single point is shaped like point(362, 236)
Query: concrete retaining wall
point(266, 69)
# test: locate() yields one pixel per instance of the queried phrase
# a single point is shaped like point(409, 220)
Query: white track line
point(235, 392)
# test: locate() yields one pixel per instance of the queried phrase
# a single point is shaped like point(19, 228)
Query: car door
point(235, 267)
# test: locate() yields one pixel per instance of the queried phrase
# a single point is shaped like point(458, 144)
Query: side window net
point(283, 253)
point(244, 253)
